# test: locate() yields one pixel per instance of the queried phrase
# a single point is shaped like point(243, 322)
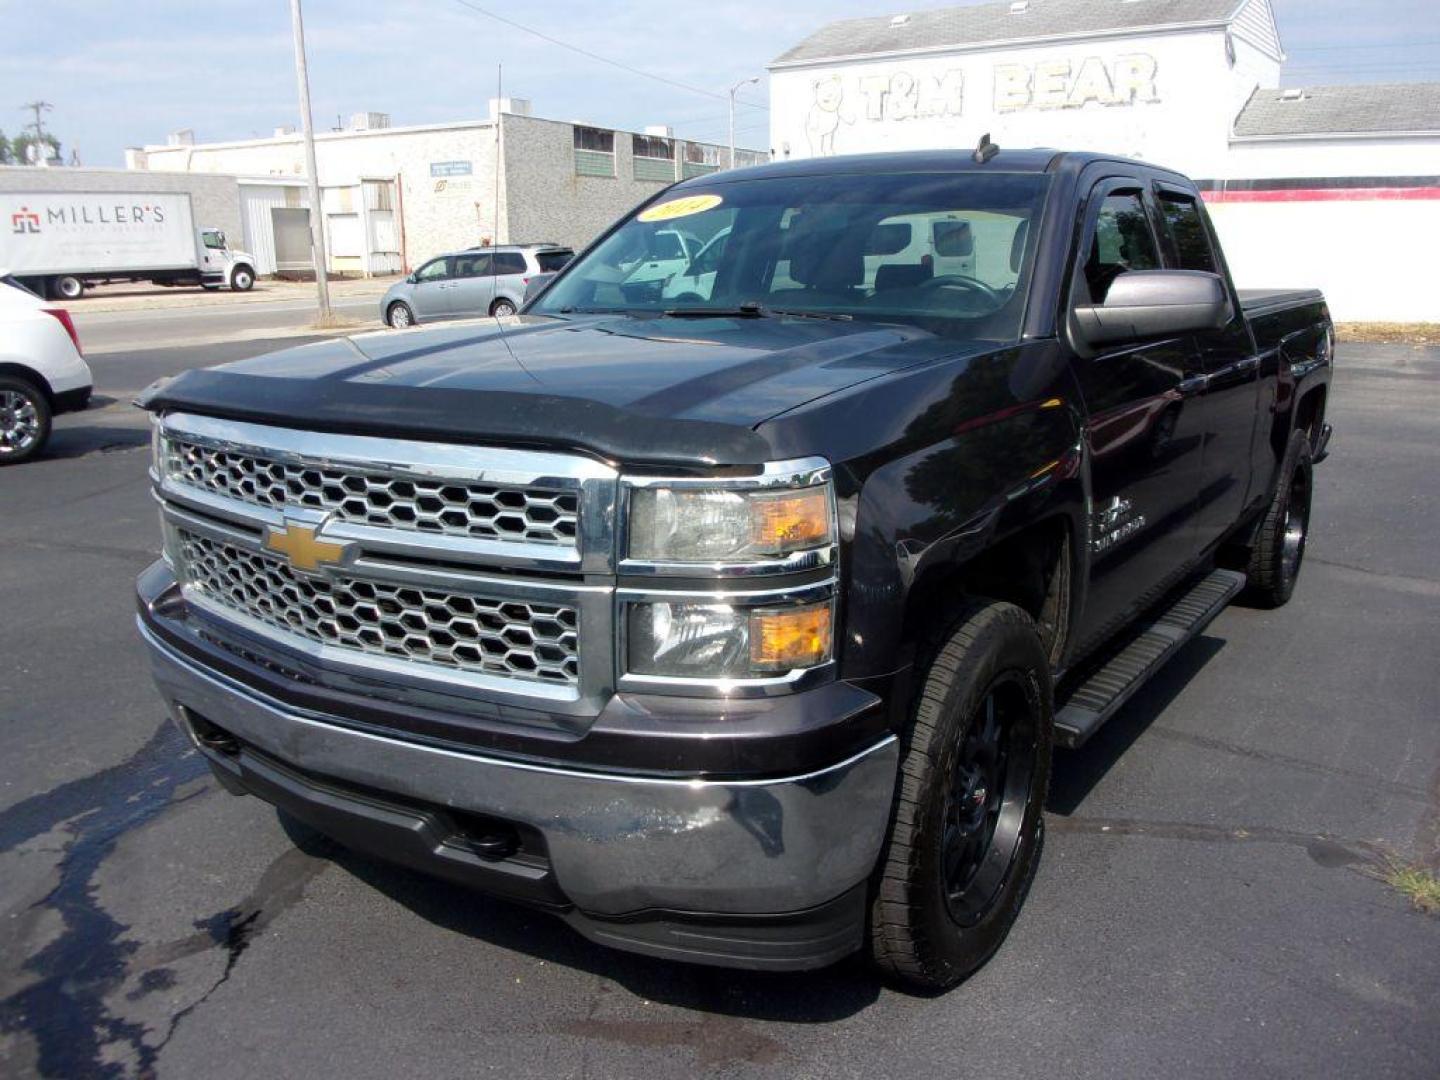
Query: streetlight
point(733, 89)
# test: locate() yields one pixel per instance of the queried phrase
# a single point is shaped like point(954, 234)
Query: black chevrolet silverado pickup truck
point(731, 611)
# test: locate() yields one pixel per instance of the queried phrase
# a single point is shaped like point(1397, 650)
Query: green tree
point(7, 156)
point(20, 147)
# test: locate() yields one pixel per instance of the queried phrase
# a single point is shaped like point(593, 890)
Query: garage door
point(292, 238)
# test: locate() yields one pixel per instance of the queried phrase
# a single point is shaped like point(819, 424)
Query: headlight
point(776, 523)
point(744, 522)
point(721, 641)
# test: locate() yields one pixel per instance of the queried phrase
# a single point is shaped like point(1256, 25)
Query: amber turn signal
point(783, 639)
point(791, 522)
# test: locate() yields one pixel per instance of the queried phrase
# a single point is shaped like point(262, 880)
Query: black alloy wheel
point(989, 790)
point(968, 820)
point(1278, 551)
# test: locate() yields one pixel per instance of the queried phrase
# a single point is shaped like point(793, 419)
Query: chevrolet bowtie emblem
point(302, 549)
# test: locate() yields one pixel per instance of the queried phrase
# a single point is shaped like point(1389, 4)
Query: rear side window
point(550, 261)
point(953, 239)
point(6, 279)
point(509, 262)
point(1122, 242)
point(1187, 233)
point(471, 266)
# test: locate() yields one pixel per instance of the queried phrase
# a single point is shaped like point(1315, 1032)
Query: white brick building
point(395, 196)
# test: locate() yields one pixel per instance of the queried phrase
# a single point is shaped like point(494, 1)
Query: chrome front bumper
point(617, 845)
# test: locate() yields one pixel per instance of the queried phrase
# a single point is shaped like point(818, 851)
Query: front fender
point(996, 462)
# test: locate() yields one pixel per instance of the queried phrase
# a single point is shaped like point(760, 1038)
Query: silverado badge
point(302, 549)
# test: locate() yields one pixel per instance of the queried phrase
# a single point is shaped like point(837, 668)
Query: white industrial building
point(1328, 186)
point(395, 196)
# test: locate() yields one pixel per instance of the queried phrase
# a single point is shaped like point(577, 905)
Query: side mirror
point(1153, 304)
point(536, 285)
point(410, 278)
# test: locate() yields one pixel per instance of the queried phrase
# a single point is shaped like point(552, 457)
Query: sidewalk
point(138, 296)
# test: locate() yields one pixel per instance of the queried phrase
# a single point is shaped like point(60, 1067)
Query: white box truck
point(57, 242)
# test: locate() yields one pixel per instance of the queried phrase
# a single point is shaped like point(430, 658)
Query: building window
point(594, 152)
point(379, 194)
point(654, 157)
point(700, 159)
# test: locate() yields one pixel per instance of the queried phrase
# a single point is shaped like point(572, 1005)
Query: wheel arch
point(30, 375)
point(1035, 566)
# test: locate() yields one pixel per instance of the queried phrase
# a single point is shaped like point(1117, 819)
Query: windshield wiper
point(752, 310)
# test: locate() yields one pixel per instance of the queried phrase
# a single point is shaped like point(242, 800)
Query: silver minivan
point(468, 284)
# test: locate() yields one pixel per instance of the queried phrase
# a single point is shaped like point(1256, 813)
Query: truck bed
point(1263, 301)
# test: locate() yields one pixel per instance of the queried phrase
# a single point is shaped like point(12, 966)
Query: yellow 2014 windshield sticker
point(678, 208)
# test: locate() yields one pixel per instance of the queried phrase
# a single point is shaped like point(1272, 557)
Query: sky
point(126, 74)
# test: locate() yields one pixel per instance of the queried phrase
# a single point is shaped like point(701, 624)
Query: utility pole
point(733, 89)
point(317, 211)
point(499, 150)
point(42, 148)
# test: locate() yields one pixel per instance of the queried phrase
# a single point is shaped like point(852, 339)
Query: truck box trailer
point(58, 242)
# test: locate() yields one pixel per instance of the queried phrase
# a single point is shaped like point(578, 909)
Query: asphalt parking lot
point(1207, 904)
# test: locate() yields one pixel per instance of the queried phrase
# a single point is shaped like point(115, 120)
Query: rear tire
point(67, 287)
point(968, 821)
point(1279, 549)
point(24, 420)
point(502, 307)
point(399, 315)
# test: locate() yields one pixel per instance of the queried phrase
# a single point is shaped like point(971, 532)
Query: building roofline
point(1279, 56)
point(320, 136)
point(459, 125)
point(1311, 136)
point(1200, 26)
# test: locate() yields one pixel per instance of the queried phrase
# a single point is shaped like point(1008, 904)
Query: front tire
point(501, 308)
point(242, 279)
point(399, 315)
point(968, 821)
point(67, 287)
point(24, 420)
point(1280, 545)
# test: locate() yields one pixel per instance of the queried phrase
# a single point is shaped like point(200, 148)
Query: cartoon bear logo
point(826, 115)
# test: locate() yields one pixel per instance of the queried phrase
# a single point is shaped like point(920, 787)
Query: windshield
point(950, 253)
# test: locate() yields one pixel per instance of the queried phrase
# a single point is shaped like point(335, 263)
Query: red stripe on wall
point(1323, 195)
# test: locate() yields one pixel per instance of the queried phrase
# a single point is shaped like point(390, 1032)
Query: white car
point(41, 370)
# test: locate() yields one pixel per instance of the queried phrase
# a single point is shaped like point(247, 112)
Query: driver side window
point(1123, 241)
point(435, 270)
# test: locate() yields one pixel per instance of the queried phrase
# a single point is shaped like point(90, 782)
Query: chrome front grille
point(451, 507)
point(395, 568)
point(466, 632)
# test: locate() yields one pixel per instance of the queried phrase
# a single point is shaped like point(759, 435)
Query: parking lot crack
point(63, 1010)
point(1205, 742)
point(1326, 850)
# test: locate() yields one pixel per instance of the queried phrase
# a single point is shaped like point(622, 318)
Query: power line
point(1370, 45)
point(601, 59)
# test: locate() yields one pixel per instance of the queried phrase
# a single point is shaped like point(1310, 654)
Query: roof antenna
point(984, 150)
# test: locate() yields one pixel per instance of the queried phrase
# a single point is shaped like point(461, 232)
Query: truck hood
point(631, 388)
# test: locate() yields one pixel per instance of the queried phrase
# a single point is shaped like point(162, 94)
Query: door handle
point(1192, 385)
